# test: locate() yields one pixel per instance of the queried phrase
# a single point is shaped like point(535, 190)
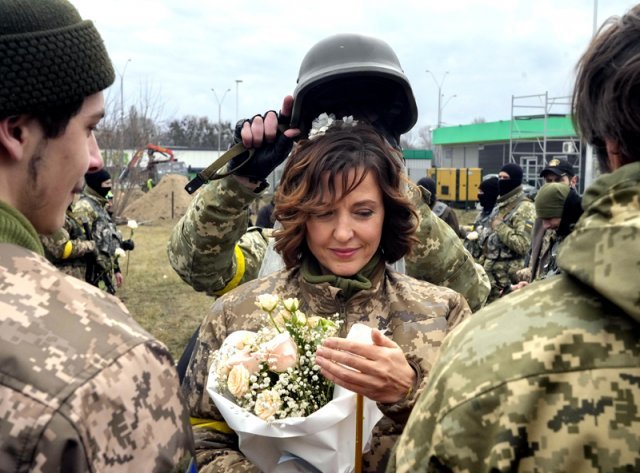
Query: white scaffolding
point(533, 150)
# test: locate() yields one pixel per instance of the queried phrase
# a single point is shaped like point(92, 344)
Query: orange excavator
point(149, 164)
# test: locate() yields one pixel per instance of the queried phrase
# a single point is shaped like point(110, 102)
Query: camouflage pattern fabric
point(91, 208)
point(505, 247)
point(416, 314)
point(68, 248)
point(202, 244)
point(202, 247)
point(546, 379)
point(482, 226)
point(82, 386)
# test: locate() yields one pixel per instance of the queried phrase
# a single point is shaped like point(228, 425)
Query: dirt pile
point(166, 200)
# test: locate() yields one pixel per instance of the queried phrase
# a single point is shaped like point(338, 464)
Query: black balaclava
point(489, 188)
point(515, 174)
point(430, 185)
point(571, 212)
point(95, 179)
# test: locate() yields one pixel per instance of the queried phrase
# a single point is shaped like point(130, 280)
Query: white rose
point(292, 304)
point(267, 302)
point(472, 236)
point(238, 340)
point(268, 403)
point(132, 224)
point(238, 381)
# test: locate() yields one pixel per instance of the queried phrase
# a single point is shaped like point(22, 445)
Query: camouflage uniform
point(416, 314)
point(509, 241)
point(547, 378)
point(82, 386)
point(482, 226)
point(91, 208)
point(203, 249)
point(68, 248)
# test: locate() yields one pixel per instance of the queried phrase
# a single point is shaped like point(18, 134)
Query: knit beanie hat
point(430, 185)
point(489, 195)
point(515, 178)
point(95, 180)
point(550, 200)
point(49, 56)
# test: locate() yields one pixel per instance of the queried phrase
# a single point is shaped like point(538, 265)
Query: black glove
point(265, 159)
point(127, 245)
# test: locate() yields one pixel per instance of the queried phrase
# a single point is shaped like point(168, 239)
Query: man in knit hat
point(82, 386)
point(511, 225)
point(558, 208)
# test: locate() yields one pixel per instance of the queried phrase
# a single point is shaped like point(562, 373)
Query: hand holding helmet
point(271, 145)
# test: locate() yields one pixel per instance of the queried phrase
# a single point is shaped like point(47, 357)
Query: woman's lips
point(344, 253)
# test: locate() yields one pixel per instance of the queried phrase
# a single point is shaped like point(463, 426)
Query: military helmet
point(348, 74)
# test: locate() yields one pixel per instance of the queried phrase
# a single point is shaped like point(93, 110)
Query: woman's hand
point(379, 371)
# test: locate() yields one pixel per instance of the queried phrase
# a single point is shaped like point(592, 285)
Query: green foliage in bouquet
point(272, 373)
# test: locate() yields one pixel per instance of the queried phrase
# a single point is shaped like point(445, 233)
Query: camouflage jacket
point(68, 248)
point(546, 379)
point(482, 227)
point(91, 208)
point(212, 250)
point(82, 386)
point(511, 237)
point(416, 314)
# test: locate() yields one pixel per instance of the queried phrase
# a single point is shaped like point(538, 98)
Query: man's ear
point(14, 131)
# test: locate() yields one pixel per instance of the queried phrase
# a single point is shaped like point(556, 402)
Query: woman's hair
point(344, 147)
point(606, 102)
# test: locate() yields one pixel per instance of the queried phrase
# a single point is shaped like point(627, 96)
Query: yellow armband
point(240, 268)
point(66, 252)
point(217, 425)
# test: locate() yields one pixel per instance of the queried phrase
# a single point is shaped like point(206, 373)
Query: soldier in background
point(560, 170)
point(82, 386)
point(439, 208)
point(510, 237)
point(547, 379)
point(476, 238)
point(91, 210)
point(558, 207)
point(68, 248)
point(557, 170)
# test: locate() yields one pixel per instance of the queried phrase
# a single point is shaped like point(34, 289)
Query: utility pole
point(238, 82)
point(124, 70)
point(439, 86)
point(220, 116)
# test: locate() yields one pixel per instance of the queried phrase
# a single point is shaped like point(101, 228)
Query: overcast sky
point(491, 49)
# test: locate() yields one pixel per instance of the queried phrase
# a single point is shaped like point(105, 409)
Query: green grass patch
point(154, 294)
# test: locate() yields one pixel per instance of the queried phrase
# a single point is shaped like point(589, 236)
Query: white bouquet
point(266, 384)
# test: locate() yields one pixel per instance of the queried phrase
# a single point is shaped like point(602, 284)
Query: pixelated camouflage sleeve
point(82, 383)
point(60, 246)
point(202, 247)
point(521, 398)
point(515, 234)
point(440, 258)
